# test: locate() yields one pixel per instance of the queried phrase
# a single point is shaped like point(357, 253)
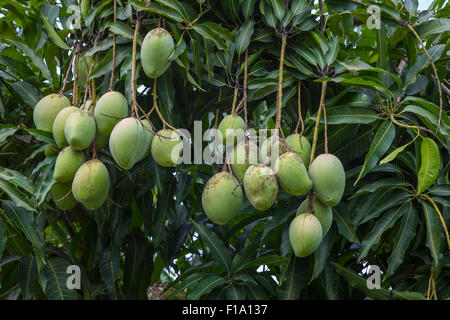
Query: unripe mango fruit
point(50, 149)
point(328, 177)
point(273, 147)
point(321, 211)
point(292, 174)
point(59, 124)
point(166, 148)
point(156, 50)
point(261, 186)
point(305, 234)
point(243, 154)
point(91, 183)
point(79, 129)
point(67, 164)
point(109, 110)
point(46, 109)
point(232, 129)
point(59, 192)
point(300, 145)
point(222, 198)
point(128, 142)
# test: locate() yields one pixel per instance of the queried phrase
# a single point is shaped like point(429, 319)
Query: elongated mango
point(300, 145)
point(261, 186)
point(292, 174)
point(61, 196)
point(79, 129)
point(67, 164)
point(156, 50)
point(46, 109)
point(109, 110)
point(222, 198)
point(305, 234)
point(59, 124)
point(232, 129)
point(321, 211)
point(166, 148)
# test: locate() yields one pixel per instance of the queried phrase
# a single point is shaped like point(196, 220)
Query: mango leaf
point(278, 8)
point(440, 190)
point(429, 167)
point(244, 36)
point(27, 276)
point(3, 237)
point(433, 26)
point(6, 131)
point(29, 94)
point(360, 283)
point(381, 142)
point(333, 51)
point(159, 9)
point(17, 196)
point(402, 240)
point(343, 114)
point(18, 179)
point(345, 226)
point(380, 184)
point(216, 246)
point(247, 8)
point(271, 259)
point(386, 222)
point(391, 156)
point(433, 232)
point(408, 295)
point(125, 31)
point(57, 277)
point(205, 285)
point(41, 135)
point(296, 278)
point(52, 33)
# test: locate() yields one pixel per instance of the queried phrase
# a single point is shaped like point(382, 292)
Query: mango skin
point(46, 109)
point(91, 183)
point(267, 145)
point(261, 186)
point(59, 124)
point(242, 156)
point(300, 145)
point(80, 129)
point(292, 174)
point(156, 50)
point(222, 198)
point(305, 234)
point(50, 149)
point(67, 164)
point(166, 148)
point(321, 211)
point(231, 125)
point(328, 177)
point(149, 130)
point(128, 142)
point(58, 191)
point(109, 110)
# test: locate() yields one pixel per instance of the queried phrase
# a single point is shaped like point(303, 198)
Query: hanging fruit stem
point(280, 81)
point(111, 81)
point(133, 72)
point(75, 85)
point(233, 105)
point(325, 127)
point(245, 91)
point(299, 106)
point(447, 236)
point(316, 128)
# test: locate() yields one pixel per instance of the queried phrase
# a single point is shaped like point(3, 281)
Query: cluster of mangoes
point(222, 196)
point(76, 130)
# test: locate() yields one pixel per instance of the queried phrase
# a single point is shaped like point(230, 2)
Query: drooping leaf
point(429, 167)
point(433, 232)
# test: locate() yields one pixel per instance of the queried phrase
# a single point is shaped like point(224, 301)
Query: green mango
point(305, 234)
point(292, 174)
point(79, 129)
point(46, 109)
point(59, 192)
point(67, 164)
point(91, 183)
point(166, 148)
point(109, 110)
point(50, 149)
point(321, 211)
point(232, 129)
point(59, 124)
point(328, 177)
point(267, 145)
point(261, 186)
point(242, 156)
point(156, 50)
point(128, 142)
point(222, 198)
point(300, 145)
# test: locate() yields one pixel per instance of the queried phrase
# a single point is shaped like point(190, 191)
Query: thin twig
point(299, 106)
point(111, 81)
point(316, 129)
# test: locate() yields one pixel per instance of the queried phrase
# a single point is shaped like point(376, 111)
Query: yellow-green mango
point(156, 50)
point(328, 177)
point(50, 149)
point(292, 174)
point(79, 129)
point(59, 124)
point(242, 156)
point(300, 145)
point(47, 108)
point(232, 129)
point(166, 148)
point(109, 110)
point(222, 198)
point(60, 195)
point(67, 164)
point(321, 211)
point(261, 186)
point(128, 142)
point(91, 183)
point(267, 145)
point(305, 234)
